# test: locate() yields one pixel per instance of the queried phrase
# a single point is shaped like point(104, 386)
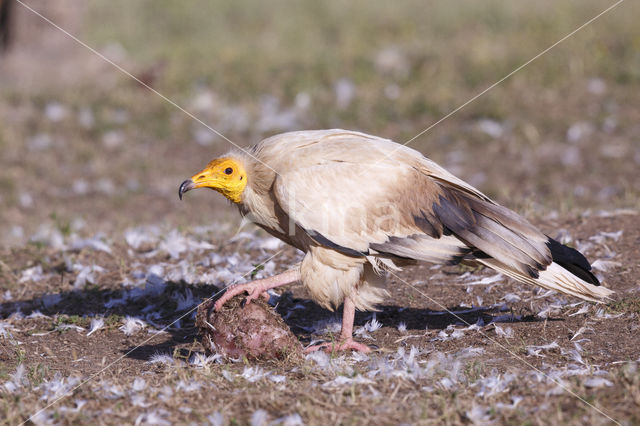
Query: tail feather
point(556, 277)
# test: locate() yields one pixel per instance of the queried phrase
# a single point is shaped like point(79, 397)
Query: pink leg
point(346, 341)
point(258, 287)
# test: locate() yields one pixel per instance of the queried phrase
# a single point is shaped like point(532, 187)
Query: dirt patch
point(460, 344)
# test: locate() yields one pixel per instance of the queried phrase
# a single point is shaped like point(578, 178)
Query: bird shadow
point(306, 317)
point(172, 307)
point(169, 307)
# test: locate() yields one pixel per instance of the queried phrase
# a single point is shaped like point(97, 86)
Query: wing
point(360, 198)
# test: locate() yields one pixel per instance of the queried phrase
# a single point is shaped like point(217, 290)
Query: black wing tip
point(572, 260)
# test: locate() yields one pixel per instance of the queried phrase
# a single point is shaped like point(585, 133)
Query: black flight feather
point(572, 260)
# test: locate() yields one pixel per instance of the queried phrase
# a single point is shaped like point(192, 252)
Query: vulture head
point(225, 175)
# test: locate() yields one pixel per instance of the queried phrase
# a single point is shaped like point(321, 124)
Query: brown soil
point(433, 305)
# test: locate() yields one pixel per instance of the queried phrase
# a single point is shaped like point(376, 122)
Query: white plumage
point(358, 205)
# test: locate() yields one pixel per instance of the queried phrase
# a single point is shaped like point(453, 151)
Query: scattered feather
point(79, 403)
point(5, 329)
point(457, 334)
point(94, 243)
point(58, 387)
point(216, 419)
point(325, 326)
point(154, 286)
point(357, 356)
point(602, 314)
point(86, 275)
point(321, 358)
point(350, 381)
point(373, 324)
point(537, 350)
point(112, 391)
point(597, 382)
point(62, 327)
point(494, 384)
point(200, 360)
point(132, 325)
point(583, 310)
point(542, 293)
point(511, 298)
point(166, 393)
point(32, 274)
point(113, 302)
point(18, 380)
point(45, 417)
point(139, 384)
point(276, 378)
point(227, 375)
point(549, 311)
point(605, 265)
point(175, 243)
point(259, 418)
point(49, 235)
point(602, 237)
point(96, 324)
point(487, 280)
point(361, 332)
point(191, 386)
point(164, 359)
point(504, 332)
point(185, 300)
point(290, 420)
point(138, 400)
point(478, 414)
point(254, 374)
point(515, 400)
point(154, 417)
point(141, 238)
point(581, 331)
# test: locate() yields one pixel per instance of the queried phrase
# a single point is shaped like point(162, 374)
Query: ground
point(102, 267)
point(450, 345)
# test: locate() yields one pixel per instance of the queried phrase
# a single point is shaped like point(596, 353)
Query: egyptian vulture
point(360, 206)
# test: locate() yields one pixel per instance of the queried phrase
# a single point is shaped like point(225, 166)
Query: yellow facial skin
point(225, 175)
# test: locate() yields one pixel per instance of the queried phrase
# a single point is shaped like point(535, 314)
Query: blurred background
point(86, 149)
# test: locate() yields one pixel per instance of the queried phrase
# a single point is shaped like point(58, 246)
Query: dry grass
point(129, 332)
point(88, 155)
point(80, 139)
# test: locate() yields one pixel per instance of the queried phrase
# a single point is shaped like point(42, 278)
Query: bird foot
point(254, 289)
point(258, 288)
point(343, 345)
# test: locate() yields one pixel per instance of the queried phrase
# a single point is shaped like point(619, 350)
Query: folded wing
point(366, 196)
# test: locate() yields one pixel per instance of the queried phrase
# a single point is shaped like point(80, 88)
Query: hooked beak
point(203, 178)
point(185, 186)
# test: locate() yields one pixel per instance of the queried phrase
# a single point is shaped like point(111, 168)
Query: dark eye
point(228, 171)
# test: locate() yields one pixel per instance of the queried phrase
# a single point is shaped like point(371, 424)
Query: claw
point(344, 345)
point(257, 288)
